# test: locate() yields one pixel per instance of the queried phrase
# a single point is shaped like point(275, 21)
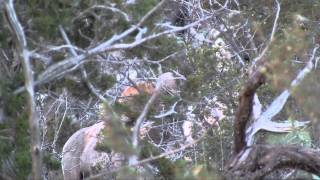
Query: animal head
point(130, 91)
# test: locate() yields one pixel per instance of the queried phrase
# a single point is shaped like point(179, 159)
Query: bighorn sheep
point(79, 155)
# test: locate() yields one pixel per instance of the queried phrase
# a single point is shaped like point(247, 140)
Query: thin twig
point(61, 68)
point(169, 112)
point(274, 28)
point(57, 131)
point(82, 69)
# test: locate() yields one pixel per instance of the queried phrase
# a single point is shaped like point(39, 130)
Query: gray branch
point(25, 54)
point(61, 68)
point(264, 121)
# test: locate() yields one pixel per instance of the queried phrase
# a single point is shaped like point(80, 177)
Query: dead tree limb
point(245, 108)
point(21, 42)
point(263, 159)
point(257, 161)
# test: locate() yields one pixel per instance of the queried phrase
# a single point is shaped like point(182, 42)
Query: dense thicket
point(225, 55)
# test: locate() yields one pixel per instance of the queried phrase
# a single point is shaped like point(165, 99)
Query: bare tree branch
point(164, 81)
point(274, 28)
point(257, 78)
point(18, 32)
point(263, 159)
point(61, 68)
point(113, 9)
point(82, 69)
point(58, 127)
point(245, 105)
point(153, 158)
point(169, 112)
point(264, 121)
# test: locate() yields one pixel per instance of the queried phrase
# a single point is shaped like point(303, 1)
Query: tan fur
point(71, 154)
point(79, 153)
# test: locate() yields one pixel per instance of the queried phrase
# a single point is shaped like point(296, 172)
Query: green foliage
point(165, 166)
point(16, 120)
point(126, 110)
point(23, 162)
point(291, 43)
point(156, 49)
point(47, 15)
point(115, 135)
point(6, 145)
point(217, 146)
point(118, 24)
point(140, 8)
point(198, 172)
point(12, 107)
point(178, 169)
point(51, 162)
point(77, 89)
point(298, 137)
point(167, 99)
point(64, 135)
point(192, 86)
point(77, 86)
point(307, 95)
point(129, 173)
point(22, 143)
point(107, 81)
point(201, 78)
point(5, 38)
point(102, 146)
point(58, 57)
point(133, 106)
point(98, 78)
point(307, 8)
point(206, 75)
